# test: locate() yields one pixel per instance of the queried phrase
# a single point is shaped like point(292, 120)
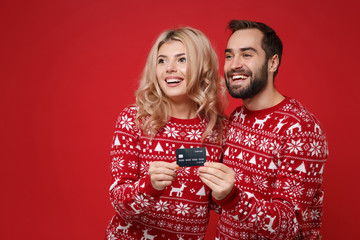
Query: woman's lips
point(171, 81)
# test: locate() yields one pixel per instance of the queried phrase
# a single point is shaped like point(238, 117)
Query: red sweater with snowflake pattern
point(180, 211)
point(278, 155)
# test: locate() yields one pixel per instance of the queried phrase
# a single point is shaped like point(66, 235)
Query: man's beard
point(257, 83)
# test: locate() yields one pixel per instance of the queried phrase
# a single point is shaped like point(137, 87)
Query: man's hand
point(162, 174)
point(218, 177)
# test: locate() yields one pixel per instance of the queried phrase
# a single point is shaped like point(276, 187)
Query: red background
point(67, 68)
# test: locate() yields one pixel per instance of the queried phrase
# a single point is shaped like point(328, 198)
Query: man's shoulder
point(296, 110)
point(298, 117)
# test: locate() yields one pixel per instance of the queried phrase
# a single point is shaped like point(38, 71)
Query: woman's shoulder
point(127, 119)
point(128, 114)
point(129, 110)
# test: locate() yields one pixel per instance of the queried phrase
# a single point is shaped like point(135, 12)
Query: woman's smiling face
point(171, 70)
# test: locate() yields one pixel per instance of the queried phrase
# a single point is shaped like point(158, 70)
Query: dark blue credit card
point(186, 157)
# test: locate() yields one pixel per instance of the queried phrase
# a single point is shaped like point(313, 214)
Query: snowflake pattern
point(194, 134)
point(162, 206)
point(161, 223)
point(239, 137)
point(244, 235)
point(126, 122)
point(253, 236)
point(144, 166)
point(293, 188)
point(250, 140)
point(178, 227)
point(171, 132)
point(257, 216)
point(275, 148)
point(295, 146)
point(239, 175)
point(315, 148)
point(118, 161)
point(201, 211)
point(116, 164)
point(132, 164)
point(314, 214)
point(232, 133)
point(264, 144)
point(143, 202)
point(305, 215)
point(182, 209)
point(213, 136)
point(144, 219)
point(260, 182)
point(310, 192)
point(195, 229)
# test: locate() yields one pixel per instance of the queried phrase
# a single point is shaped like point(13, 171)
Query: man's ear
point(273, 63)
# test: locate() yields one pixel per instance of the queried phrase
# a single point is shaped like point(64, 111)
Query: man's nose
point(236, 63)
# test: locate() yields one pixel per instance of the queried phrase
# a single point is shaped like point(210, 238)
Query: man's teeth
point(236, 77)
point(173, 80)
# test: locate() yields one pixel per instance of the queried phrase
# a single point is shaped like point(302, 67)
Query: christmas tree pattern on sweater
point(181, 211)
point(278, 155)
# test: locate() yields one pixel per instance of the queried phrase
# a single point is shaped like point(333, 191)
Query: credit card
point(186, 157)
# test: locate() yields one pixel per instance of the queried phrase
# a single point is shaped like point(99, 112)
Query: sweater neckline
point(185, 121)
point(267, 110)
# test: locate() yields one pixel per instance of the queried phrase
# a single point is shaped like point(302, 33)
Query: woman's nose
point(171, 67)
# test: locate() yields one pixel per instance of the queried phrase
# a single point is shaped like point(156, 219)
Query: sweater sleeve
point(301, 159)
point(130, 194)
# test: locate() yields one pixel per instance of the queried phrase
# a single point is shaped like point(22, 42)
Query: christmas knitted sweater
point(278, 155)
point(180, 211)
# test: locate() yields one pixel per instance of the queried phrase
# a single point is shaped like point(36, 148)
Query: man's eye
point(183, 59)
point(247, 55)
point(228, 56)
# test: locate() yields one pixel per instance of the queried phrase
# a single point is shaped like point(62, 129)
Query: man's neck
point(267, 98)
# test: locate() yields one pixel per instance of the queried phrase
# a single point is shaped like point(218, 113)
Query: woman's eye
point(183, 59)
point(160, 60)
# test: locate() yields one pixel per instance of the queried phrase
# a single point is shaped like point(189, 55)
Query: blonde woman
point(177, 106)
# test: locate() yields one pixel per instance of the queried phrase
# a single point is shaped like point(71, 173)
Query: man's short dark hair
point(271, 42)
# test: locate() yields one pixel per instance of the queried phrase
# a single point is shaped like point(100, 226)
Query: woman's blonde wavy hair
point(203, 84)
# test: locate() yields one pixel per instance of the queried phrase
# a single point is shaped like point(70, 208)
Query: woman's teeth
point(172, 80)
